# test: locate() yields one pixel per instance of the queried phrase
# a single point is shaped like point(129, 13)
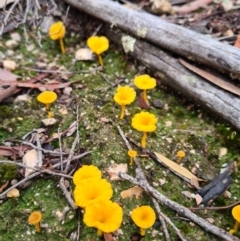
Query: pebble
point(67, 91)
point(11, 44)
point(9, 65)
point(9, 52)
point(158, 104)
point(49, 121)
point(30, 47)
point(15, 36)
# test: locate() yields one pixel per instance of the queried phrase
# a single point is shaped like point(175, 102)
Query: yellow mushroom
point(98, 45)
point(180, 155)
point(47, 98)
point(236, 216)
point(57, 31)
point(132, 154)
point(35, 219)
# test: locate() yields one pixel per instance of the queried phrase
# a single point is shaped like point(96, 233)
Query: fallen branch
point(181, 210)
point(168, 68)
point(177, 39)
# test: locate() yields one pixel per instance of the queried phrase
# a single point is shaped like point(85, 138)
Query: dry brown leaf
point(8, 92)
point(30, 159)
point(237, 42)
point(7, 76)
point(198, 199)
point(108, 236)
point(3, 186)
point(114, 169)
point(192, 6)
point(176, 168)
point(13, 193)
point(212, 78)
point(142, 103)
point(188, 194)
point(135, 191)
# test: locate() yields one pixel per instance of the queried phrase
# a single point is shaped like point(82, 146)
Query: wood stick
point(181, 210)
point(177, 39)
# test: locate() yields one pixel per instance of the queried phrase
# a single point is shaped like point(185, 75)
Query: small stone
point(30, 47)
point(13, 193)
point(9, 52)
point(168, 123)
point(158, 104)
point(222, 152)
point(59, 215)
point(23, 98)
point(67, 91)
point(9, 65)
point(49, 121)
point(84, 54)
point(16, 36)
point(11, 44)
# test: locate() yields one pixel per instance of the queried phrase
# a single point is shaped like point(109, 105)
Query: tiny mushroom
point(132, 154)
point(47, 98)
point(57, 31)
point(125, 95)
point(104, 215)
point(98, 45)
point(86, 172)
point(236, 216)
point(146, 122)
point(91, 190)
point(35, 219)
point(180, 155)
point(144, 82)
point(144, 217)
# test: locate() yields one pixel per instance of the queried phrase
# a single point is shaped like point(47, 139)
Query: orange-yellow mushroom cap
point(144, 82)
point(47, 97)
point(86, 172)
point(144, 217)
point(35, 219)
point(236, 213)
point(132, 153)
point(144, 121)
point(104, 215)
point(97, 44)
point(181, 154)
point(124, 95)
point(57, 31)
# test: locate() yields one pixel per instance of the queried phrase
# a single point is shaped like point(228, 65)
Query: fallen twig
point(37, 173)
point(181, 210)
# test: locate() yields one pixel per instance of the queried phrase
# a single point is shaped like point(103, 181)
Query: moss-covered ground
point(182, 125)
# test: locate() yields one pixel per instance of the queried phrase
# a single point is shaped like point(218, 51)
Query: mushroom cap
point(47, 97)
point(144, 82)
point(104, 215)
point(181, 153)
point(57, 30)
point(35, 217)
point(86, 172)
point(132, 153)
point(143, 217)
point(98, 44)
point(91, 190)
point(125, 95)
point(236, 213)
point(144, 121)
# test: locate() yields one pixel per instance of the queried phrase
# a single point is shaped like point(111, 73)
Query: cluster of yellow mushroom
point(93, 194)
point(125, 95)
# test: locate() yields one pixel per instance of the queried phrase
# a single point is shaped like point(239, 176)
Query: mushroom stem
point(62, 45)
point(122, 112)
point(47, 107)
point(100, 61)
point(144, 138)
point(131, 161)
point(234, 230)
point(145, 95)
point(50, 114)
point(142, 231)
point(99, 232)
point(38, 227)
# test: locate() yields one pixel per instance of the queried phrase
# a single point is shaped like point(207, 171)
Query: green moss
point(8, 172)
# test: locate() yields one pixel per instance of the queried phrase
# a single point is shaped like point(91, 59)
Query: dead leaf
point(142, 103)
point(135, 191)
point(114, 169)
point(194, 183)
point(210, 220)
point(176, 168)
point(8, 92)
point(189, 7)
point(43, 86)
point(3, 186)
point(237, 42)
point(198, 199)
point(30, 159)
point(212, 78)
point(13, 193)
point(188, 194)
point(108, 236)
point(7, 76)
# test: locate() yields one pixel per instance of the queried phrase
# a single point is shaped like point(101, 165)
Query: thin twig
point(60, 147)
point(37, 173)
point(40, 161)
point(215, 208)
point(140, 173)
point(181, 210)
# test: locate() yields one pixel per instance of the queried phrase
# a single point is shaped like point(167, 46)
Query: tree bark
point(177, 39)
point(168, 68)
